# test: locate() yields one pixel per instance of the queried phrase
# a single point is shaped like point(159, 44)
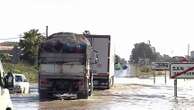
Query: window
point(18, 78)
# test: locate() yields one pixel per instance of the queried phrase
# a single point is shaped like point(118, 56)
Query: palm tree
point(29, 44)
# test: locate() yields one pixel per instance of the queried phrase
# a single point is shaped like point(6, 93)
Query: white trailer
point(103, 70)
point(5, 100)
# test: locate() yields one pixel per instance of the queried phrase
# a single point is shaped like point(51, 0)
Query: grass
point(146, 71)
point(28, 70)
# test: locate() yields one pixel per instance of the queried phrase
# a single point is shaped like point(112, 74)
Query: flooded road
point(128, 93)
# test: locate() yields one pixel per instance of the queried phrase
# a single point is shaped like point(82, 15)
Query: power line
point(10, 38)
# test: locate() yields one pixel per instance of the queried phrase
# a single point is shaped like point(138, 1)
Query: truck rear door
point(101, 44)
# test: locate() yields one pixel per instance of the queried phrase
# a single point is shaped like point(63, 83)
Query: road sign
point(160, 66)
point(182, 70)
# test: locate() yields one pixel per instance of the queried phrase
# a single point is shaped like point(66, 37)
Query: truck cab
point(5, 100)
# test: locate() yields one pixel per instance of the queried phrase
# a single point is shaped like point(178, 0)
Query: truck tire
point(109, 83)
point(91, 89)
point(85, 94)
point(8, 108)
point(24, 91)
point(44, 96)
point(91, 86)
point(112, 81)
point(41, 96)
point(82, 95)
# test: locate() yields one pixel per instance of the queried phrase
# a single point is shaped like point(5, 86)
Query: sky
point(167, 24)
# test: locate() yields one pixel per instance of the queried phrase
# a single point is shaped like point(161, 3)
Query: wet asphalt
point(128, 93)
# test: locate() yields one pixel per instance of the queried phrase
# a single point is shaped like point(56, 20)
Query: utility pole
point(188, 52)
point(46, 31)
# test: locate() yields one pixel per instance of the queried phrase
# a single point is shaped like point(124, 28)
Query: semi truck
point(103, 74)
point(65, 61)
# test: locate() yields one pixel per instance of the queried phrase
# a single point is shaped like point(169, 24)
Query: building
point(192, 54)
point(6, 47)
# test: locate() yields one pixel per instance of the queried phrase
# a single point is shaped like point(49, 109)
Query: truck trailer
point(5, 99)
point(103, 70)
point(65, 66)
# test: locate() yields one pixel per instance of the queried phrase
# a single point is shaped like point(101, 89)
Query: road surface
point(128, 93)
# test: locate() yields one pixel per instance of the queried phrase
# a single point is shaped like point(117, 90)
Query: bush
point(145, 69)
point(118, 66)
point(28, 70)
point(5, 57)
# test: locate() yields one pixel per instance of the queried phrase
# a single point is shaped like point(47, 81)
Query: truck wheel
point(8, 108)
point(24, 91)
point(28, 91)
point(112, 81)
point(43, 96)
point(109, 83)
point(91, 86)
point(91, 90)
point(82, 95)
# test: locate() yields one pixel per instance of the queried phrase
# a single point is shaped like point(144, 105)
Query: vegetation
point(120, 63)
point(4, 57)
point(28, 70)
point(142, 51)
point(29, 45)
point(146, 71)
point(142, 55)
point(143, 71)
point(118, 66)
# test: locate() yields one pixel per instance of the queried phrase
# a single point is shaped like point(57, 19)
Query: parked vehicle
point(5, 100)
point(21, 85)
point(104, 69)
point(64, 66)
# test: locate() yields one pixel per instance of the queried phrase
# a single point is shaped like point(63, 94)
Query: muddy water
point(127, 94)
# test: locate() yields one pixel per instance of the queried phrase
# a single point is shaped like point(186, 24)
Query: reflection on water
point(127, 93)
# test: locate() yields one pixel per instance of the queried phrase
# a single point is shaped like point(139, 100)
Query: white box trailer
point(103, 70)
point(5, 100)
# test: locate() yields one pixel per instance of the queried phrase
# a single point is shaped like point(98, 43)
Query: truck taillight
point(43, 82)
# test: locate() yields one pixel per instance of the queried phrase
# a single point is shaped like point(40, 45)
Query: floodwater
point(128, 93)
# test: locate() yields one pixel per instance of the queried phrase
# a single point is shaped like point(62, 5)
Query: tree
point(142, 51)
point(29, 44)
point(119, 62)
point(117, 59)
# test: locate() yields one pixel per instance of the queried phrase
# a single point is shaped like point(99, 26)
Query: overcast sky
point(168, 24)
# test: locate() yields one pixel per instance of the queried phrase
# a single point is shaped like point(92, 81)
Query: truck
point(103, 70)
point(65, 61)
point(5, 100)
